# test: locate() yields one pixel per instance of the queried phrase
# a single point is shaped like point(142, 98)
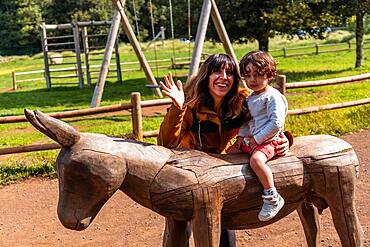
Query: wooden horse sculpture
point(208, 190)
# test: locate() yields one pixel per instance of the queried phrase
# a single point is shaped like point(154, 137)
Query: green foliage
point(245, 21)
point(19, 26)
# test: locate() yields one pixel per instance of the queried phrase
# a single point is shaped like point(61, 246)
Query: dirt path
point(28, 217)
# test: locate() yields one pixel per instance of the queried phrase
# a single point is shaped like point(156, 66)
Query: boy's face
point(257, 83)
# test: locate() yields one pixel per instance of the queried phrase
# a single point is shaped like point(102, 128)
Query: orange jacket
point(202, 130)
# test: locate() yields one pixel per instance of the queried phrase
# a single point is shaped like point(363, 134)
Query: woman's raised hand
point(173, 91)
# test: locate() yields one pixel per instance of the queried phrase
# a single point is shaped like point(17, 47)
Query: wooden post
point(76, 37)
point(222, 33)
point(284, 51)
point(199, 38)
point(44, 44)
point(85, 45)
point(162, 35)
point(349, 45)
point(14, 81)
point(118, 61)
point(137, 119)
point(99, 87)
point(135, 44)
point(280, 82)
point(317, 49)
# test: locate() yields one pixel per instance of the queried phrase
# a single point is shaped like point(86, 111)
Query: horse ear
point(57, 130)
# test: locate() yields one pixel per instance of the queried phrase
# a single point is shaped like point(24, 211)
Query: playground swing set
point(209, 8)
point(81, 56)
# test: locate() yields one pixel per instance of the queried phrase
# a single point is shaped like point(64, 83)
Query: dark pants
point(227, 237)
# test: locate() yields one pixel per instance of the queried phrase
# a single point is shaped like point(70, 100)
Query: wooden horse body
point(211, 191)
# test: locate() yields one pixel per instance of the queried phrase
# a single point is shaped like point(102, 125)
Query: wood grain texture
point(210, 191)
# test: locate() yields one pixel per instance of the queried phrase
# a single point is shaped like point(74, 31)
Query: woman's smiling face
point(220, 83)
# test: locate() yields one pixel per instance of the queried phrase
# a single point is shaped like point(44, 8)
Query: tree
point(248, 20)
point(348, 9)
point(19, 25)
point(363, 8)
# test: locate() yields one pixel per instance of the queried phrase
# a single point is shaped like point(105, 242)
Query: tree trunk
point(263, 42)
point(359, 39)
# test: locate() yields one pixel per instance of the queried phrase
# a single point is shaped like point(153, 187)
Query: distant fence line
point(136, 105)
point(316, 49)
point(181, 61)
point(169, 63)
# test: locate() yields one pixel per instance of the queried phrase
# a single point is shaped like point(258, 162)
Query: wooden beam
point(222, 33)
point(29, 148)
point(135, 44)
point(44, 45)
point(85, 45)
point(199, 38)
point(99, 87)
point(76, 34)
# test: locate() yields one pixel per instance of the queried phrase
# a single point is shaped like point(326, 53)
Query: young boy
point(267, 108)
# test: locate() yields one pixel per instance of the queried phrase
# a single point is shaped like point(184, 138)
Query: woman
point(206, 117)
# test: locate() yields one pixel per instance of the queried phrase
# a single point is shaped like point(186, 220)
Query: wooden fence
point(315, 50)
point(136, 105)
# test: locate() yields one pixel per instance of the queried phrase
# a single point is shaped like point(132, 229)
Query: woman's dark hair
point(197, 92)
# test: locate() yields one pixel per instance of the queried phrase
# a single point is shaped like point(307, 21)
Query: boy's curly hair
point(263, 61)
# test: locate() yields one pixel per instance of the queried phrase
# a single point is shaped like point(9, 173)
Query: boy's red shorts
point(269, 149)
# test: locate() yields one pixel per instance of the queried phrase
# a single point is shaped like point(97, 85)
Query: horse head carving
point(211, 191)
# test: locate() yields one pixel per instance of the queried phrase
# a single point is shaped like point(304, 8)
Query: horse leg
point(175, 233)
point(340, 187)
point(206, 221)
point(311, 223)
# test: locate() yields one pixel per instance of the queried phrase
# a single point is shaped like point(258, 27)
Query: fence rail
point(315, 49)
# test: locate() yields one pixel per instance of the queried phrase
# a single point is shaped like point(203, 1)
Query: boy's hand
point(239, 142)
point(252, 142)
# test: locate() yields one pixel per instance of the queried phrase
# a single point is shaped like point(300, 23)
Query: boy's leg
point(258, 164)
point(272, 201)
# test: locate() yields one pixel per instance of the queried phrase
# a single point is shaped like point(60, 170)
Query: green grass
point(65, 97)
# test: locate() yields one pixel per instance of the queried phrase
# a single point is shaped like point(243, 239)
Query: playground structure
point(209, 8)
point(210, 190)
point(79, 43)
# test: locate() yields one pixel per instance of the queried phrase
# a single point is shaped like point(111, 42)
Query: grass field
point(65, 96)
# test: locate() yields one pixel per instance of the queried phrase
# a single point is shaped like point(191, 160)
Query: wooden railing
point(315, 49)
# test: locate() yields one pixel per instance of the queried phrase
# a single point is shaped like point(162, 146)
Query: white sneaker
point(271, 206)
